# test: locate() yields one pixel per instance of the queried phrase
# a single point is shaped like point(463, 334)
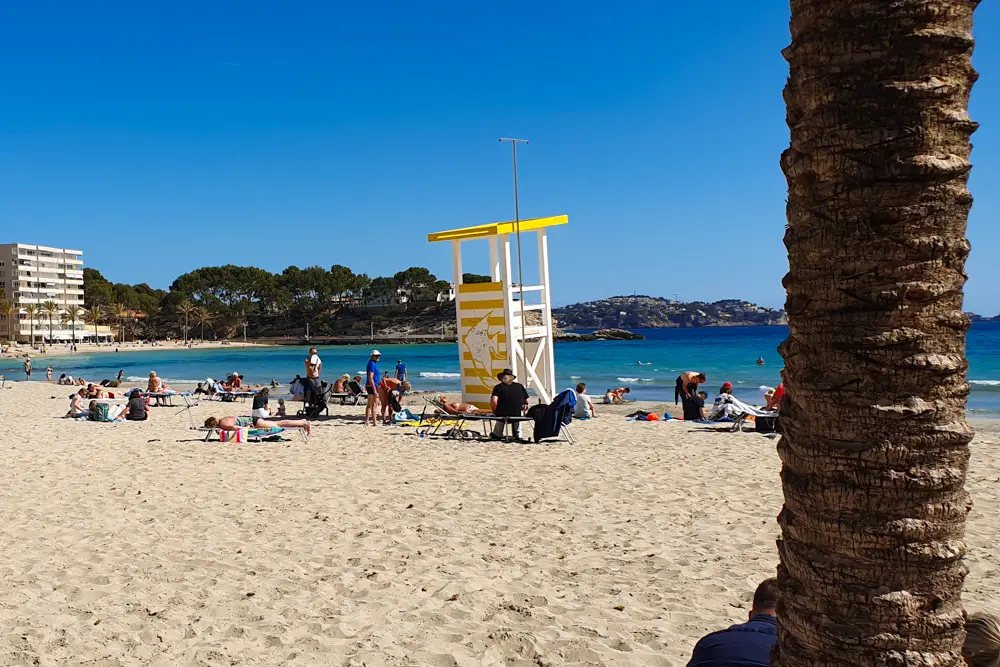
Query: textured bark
point(875, 445)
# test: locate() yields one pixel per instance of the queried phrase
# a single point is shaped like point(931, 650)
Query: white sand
point(138, 544)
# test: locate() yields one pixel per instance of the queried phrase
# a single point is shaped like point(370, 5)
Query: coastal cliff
point(646, 312)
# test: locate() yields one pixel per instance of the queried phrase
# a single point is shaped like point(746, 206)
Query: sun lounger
point(742, 412)
point(164, 398)
point(354, 394)
point(457, 430)
point(254, 434)
point(242, 395)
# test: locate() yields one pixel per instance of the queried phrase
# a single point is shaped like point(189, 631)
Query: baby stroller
point(314, 404)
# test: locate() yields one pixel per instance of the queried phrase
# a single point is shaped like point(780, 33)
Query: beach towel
point(404, 416)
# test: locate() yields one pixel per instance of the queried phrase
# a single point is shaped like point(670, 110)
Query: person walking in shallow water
point(27, 369)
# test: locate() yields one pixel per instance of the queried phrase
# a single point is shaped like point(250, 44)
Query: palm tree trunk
point(875, 446)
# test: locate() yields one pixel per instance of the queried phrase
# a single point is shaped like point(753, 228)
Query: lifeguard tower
point(492, 330)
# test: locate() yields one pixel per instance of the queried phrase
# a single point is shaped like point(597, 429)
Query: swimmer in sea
point(760, 361)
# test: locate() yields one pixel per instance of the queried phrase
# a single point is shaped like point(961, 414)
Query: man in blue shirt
point(372, 380)
point(400, 370)
point(747, 644)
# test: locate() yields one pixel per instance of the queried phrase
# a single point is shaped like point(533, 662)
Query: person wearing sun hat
point(509, 399)
point(372, 379)
point(724, 403)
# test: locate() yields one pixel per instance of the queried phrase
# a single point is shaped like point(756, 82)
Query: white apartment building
point(34, 274)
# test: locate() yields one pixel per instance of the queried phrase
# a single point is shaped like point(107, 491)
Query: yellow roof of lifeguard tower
point(496, 229)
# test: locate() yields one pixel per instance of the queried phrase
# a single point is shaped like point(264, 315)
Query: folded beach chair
point(354, 393)
point(190, 401)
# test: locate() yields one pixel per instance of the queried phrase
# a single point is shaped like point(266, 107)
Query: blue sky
point(160, 137)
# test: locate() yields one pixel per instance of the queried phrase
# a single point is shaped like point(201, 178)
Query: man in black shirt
point(510, 399)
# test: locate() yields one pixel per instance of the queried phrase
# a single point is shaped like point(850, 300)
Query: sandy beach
point(139, 544)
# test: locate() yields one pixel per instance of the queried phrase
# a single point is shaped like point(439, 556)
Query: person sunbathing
point(340, 385)
point(459, 408)
point(234, 383)
point(156, 385)
point(724, 408)
point(236, 423)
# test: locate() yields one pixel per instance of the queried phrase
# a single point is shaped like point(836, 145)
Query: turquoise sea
point(723, 353)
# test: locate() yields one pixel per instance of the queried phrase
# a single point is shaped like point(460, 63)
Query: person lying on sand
point(459, 408)
point(235, 423)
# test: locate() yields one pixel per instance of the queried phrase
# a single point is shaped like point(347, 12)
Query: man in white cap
point(372, 379)
point(311, 386)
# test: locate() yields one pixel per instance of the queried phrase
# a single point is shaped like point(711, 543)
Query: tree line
point(226, 301)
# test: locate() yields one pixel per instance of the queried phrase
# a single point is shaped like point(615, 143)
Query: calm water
point(722, 353)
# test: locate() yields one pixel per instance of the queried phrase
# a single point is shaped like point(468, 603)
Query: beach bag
point(766, 425)
point(101, 413)
point(236, 436)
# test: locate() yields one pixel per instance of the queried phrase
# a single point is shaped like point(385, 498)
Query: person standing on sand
point(314, 365)
point(372, 379)
point(687, 385)
point(27, 369)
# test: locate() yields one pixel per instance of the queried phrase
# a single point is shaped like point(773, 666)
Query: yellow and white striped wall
point(482, 339)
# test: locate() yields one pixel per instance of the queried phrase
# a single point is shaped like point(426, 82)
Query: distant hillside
point(646, 312)
point(976, 317)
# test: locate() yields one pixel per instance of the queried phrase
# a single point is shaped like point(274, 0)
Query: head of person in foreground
point(982, 641)
point(747, 643)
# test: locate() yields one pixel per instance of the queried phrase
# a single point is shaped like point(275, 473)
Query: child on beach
point(281, 408)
